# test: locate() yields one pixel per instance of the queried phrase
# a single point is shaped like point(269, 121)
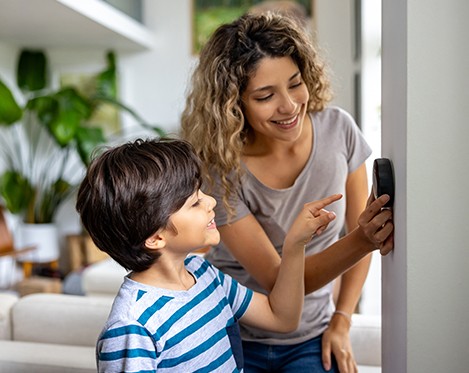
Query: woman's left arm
point(336, 337)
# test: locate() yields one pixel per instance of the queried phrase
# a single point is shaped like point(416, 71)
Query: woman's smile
point(287, 123)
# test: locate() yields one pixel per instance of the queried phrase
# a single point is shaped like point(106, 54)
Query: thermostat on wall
point(383, 179)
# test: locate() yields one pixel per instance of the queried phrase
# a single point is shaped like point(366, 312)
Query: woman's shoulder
point(335, 123)
point(334, 114)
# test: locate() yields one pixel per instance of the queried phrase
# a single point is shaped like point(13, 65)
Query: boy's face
point(195, 224)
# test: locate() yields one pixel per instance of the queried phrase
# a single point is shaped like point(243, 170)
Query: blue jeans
point(297, 358)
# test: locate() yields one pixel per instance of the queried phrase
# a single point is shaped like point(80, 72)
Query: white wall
point(334, 36)
point(7, 60)
point(154, 82)
point(425, 133)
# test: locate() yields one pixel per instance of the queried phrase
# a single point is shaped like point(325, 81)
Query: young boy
point(141, 203)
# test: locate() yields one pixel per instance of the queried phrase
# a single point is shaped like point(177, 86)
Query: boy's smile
point(212, 224)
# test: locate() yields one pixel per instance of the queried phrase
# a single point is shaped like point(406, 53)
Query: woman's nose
point(287, 104)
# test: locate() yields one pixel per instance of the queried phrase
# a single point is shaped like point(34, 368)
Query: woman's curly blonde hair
point(213, 119)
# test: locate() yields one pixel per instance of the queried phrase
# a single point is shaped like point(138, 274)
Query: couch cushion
point(103, 278)
point(27, 357)
point(7, 300)
point(59, 318)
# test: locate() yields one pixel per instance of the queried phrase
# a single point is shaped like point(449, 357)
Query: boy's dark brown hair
point(129, 193)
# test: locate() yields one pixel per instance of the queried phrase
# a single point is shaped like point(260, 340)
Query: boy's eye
point(197, 203)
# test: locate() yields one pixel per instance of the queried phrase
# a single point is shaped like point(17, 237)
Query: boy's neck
point(166, 273)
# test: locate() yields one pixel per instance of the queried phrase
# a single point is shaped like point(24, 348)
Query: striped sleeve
point(239, 297)
point(126, 348)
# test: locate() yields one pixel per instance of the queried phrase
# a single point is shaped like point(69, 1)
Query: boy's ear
point(155, 241)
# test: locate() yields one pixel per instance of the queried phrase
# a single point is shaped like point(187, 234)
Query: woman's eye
point(265, 98)
point(295, 85)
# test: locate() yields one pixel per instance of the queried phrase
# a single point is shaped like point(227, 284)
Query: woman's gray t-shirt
point(338, 149)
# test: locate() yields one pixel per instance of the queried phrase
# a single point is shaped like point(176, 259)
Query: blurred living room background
point(156, 44)
point(418, 119)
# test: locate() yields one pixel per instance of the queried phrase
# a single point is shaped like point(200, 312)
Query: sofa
point(102, 278)
point(50, 333)
point(56, 333)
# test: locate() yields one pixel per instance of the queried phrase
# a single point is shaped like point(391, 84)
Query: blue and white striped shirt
point(152, 329)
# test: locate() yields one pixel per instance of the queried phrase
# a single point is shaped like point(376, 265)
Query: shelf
point(71, 24)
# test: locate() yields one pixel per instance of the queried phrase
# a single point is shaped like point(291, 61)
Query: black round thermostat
point(383, 179)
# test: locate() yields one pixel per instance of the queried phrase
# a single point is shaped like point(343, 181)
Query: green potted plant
point(46, 140)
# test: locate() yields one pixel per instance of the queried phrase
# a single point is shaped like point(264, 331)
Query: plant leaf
point(88, 138)
point(73, 108)
point(31, 74)
point(62, 113)
point(10, 112)
point(51, 199)
point(16, 191)
point(106, 81)
point(46, 108)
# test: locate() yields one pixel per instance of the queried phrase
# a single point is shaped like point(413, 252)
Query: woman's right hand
point(376, 224)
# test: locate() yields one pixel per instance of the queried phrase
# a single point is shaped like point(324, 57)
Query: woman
point(256, 114)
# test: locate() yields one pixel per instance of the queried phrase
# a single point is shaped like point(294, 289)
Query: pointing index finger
point(327, 201)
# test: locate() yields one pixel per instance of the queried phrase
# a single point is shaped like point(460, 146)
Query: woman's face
point(275, 100)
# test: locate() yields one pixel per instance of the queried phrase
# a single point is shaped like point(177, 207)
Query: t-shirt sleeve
point(239, 297)
point(357, 147)
point(126, 348)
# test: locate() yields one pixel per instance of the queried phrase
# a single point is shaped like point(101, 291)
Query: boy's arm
point(281, 310)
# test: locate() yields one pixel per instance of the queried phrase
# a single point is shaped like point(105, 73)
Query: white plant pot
point(44, 236)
